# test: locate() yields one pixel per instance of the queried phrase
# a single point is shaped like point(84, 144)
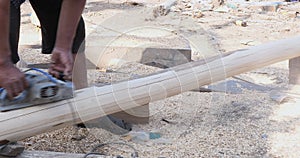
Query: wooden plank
point(93, 102)
point(47, 154)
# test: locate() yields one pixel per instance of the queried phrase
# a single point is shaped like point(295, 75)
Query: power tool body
point(43, 88)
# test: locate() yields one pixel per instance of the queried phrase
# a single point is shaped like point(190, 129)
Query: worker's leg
point(48, 14)
point(14, 31)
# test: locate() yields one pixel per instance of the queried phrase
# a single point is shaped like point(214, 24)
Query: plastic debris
point(264, 136)
point(143, 137)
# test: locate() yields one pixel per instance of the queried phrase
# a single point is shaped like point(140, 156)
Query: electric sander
point(43, 88)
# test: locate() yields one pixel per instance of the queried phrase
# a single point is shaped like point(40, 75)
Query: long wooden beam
point(94, 102)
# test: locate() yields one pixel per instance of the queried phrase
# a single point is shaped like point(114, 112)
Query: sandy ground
point(217, 124)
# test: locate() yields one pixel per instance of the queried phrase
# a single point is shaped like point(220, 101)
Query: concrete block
point(173, 51)
point(266, 6)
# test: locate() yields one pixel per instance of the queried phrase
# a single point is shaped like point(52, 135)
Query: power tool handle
point(4, 96)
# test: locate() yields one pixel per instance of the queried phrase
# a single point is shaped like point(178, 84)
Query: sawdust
point(198, 124)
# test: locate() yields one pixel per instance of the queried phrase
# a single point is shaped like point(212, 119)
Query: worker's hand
point(12, 79)
point(62, 62)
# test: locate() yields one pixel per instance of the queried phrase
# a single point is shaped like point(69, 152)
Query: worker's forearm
point(69, 17)
point(4, 31)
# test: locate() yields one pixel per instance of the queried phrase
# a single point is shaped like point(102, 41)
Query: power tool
point(43, 88)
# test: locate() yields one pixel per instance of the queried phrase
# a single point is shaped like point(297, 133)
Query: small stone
point(287, 29)
point(222, 9)
point(198, 15)
point(241, 23)
point(12, 150)
point(264, 136)
point(187, 13)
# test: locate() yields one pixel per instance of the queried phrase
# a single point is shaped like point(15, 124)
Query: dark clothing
point(17, 3)
point(47, 12)
point(14, 31)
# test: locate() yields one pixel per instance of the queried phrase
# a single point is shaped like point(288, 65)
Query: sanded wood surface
point(93, 102)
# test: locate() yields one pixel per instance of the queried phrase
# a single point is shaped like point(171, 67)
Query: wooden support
point(136, 115)
point(94, 102)
point(294, 71)
point(294, 77)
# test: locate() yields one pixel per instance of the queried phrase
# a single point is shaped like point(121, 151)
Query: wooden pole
point(94, 102)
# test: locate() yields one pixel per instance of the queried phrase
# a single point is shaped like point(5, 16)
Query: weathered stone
point(11, 150)
point(266, 6)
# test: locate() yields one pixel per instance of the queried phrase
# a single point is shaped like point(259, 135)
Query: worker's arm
point(62, 58)
point(10, 77)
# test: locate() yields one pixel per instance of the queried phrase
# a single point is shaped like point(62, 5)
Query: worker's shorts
point(47, 12)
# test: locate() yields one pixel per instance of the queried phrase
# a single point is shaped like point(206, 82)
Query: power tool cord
point(51, 78)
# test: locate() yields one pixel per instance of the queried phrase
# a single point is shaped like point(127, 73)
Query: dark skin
point(11, 78)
